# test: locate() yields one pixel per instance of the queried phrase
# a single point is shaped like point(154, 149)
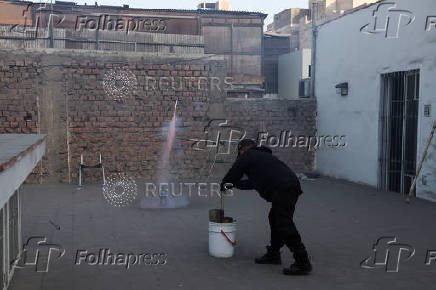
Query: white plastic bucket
point(222, 239)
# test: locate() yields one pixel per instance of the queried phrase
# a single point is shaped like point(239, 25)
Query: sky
point(269, 7)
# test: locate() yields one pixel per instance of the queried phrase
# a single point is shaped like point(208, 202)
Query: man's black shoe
point(296, 269)
point(271, 257)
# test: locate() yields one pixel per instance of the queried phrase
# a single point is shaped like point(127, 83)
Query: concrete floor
point(339, 222)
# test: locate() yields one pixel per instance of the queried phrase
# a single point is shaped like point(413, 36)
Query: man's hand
point(244, 184)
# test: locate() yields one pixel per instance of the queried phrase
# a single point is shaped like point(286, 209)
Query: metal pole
point(80, 170)
point(97, 46)
point(412, 188)
point(50, 27)
point(313, 53)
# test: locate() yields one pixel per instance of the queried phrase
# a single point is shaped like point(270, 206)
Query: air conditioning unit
point(304, 88)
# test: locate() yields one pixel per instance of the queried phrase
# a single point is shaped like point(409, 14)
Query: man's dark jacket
point(265, 172)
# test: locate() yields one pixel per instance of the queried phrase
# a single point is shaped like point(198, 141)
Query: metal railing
point(30, 37)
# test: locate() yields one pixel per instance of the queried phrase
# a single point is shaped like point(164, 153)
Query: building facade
point(297, 22)
point(238, 36)
point(219, 5)
point(375, 85)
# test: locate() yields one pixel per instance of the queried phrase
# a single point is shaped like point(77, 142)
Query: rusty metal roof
point(193, 11)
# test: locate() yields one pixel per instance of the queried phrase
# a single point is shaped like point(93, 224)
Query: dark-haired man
point(278, 184)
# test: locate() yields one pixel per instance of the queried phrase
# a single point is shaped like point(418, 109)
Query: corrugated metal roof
point(194, 11)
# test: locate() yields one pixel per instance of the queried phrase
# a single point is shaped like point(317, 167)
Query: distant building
point(297, 22)
point(219, 5)
point(294, 74)
point(287, 20)
point(237, 35)
point(274, 45)
point(292, 71)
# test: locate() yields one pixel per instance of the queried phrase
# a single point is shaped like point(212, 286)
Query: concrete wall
point(293, 67)
point(344, 54)
point(61, 93)
point(288, 17)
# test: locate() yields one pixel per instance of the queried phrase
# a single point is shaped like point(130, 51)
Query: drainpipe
point(313, 54)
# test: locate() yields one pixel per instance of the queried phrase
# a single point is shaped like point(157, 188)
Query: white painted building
point(386, 54)
point(293, 68)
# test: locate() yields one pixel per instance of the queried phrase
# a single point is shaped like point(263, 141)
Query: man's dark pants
point(283, 230)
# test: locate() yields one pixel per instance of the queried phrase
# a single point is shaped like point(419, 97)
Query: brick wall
point(284, 121)
point(62, 93)
point(18, 97)
point(18, 82)
point(131, 133)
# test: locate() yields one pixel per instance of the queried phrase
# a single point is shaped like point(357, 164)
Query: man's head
point(244, 145)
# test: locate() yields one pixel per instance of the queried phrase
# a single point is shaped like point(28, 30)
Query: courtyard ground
point(339, 222)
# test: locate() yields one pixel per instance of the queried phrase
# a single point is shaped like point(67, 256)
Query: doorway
point(399, 130)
